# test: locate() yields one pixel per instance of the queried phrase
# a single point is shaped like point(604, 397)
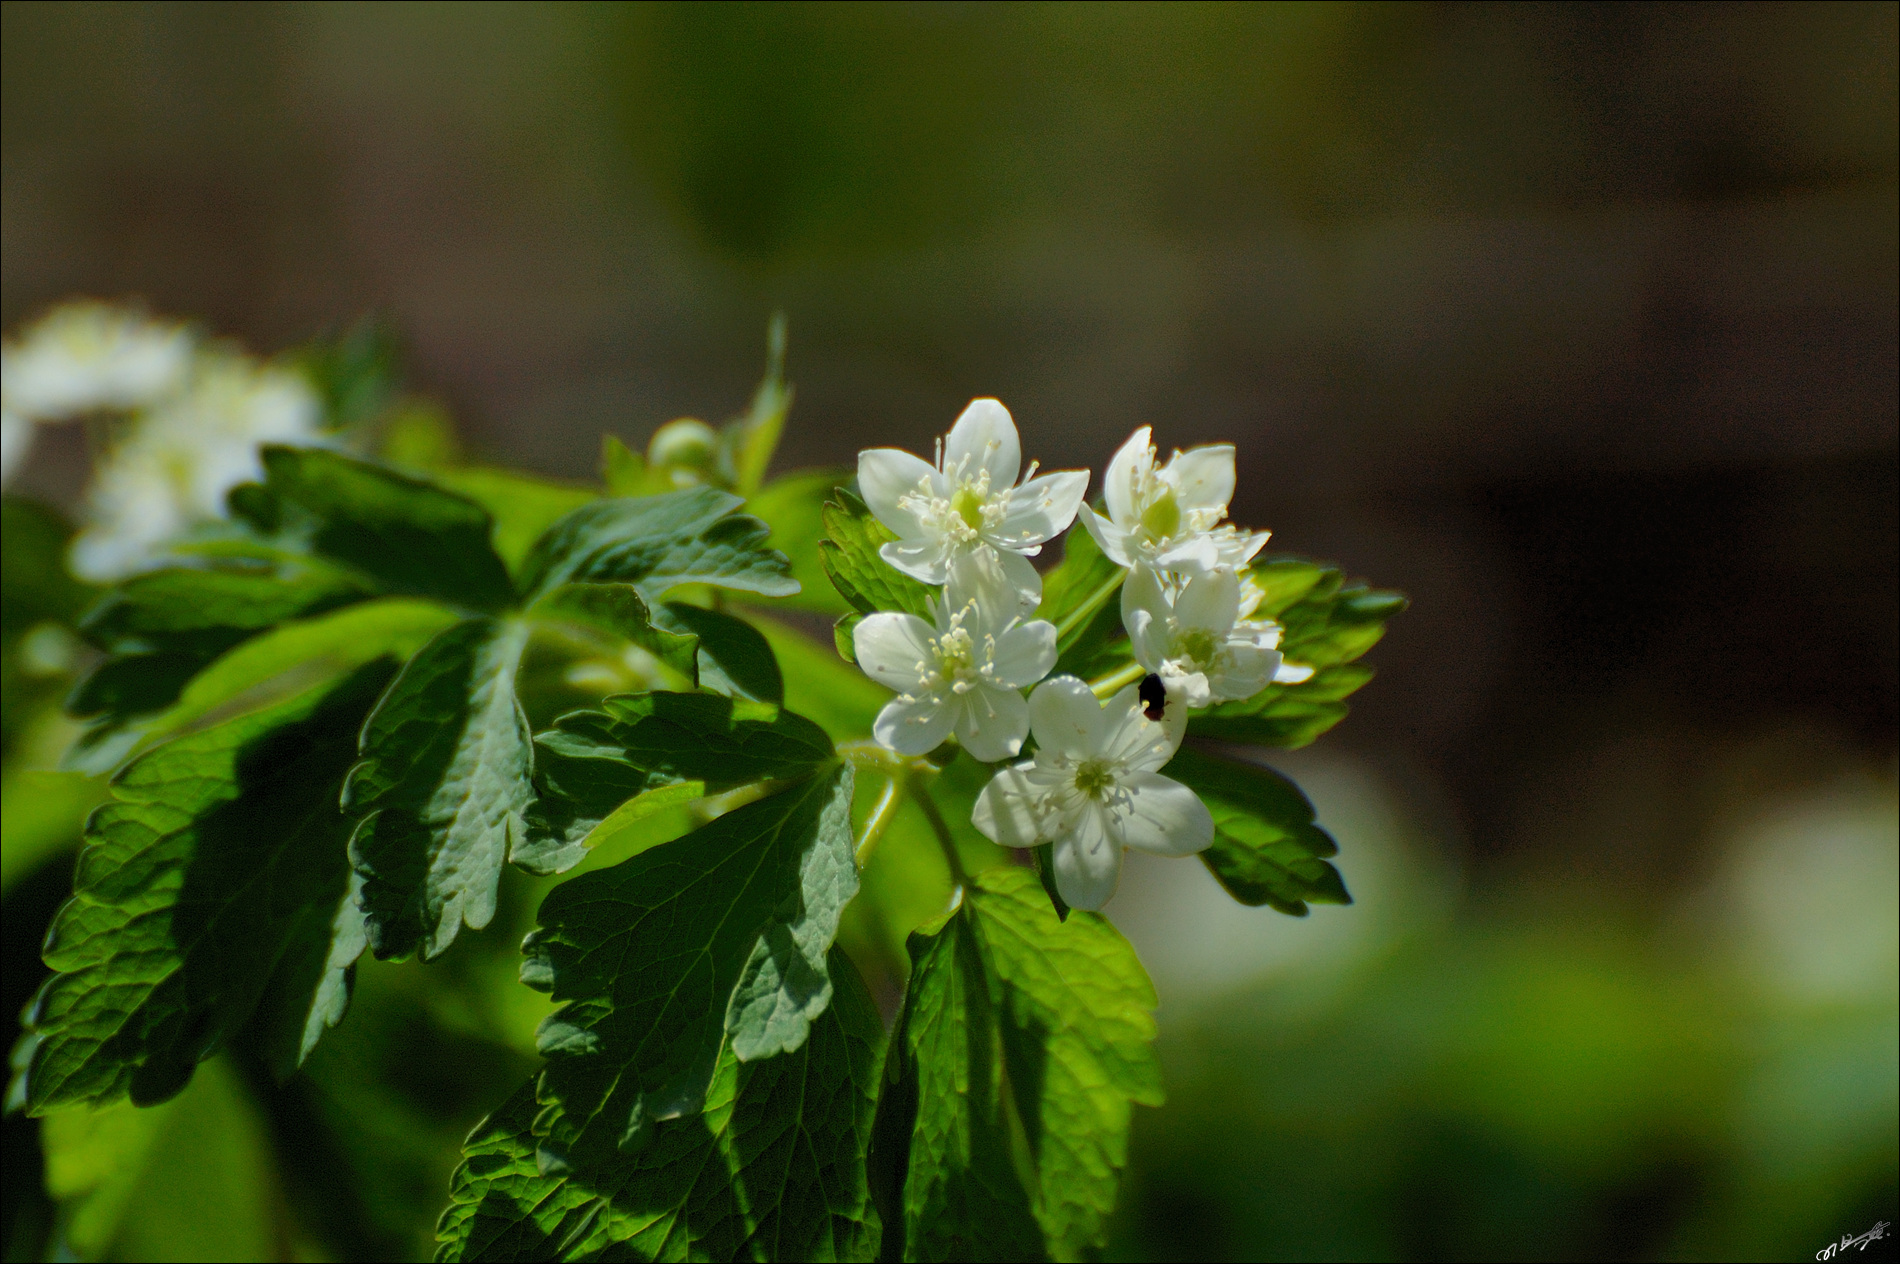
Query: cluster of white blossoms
point(1093, 786)
point(187, 421)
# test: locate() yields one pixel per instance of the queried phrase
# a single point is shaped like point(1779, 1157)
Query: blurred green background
point(1577, 323)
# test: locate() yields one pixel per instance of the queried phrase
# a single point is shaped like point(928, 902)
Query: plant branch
point(942, 830)
point(881, 813)
point(1082, 613)
point(1105, 686)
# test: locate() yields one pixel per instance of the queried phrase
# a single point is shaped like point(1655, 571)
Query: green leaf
point(217, 875)
point(273, 665)
point(660, 542)
point(1078, 596)
point(622, 470)
point(840, 699)
point(441, 789)
point(794, 507)
point(355, 374)
point(523, 506)
point(594, 761)
point(412, 538)
point(1023, 1045)
point(746, 445)
point(773, 1169)
point(620, 611)
point(629, 1047)
point(733, 656)
point(160, 629)
point(850, 555)
point(944, 1148)
point(1266, 848)
point(35, 585)
point(1328, 625)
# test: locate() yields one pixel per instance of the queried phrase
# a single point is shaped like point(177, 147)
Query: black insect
point(1154, 698)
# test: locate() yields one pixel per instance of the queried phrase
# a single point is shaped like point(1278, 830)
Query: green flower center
point(1196, 645)
point(1162, 518)
point(1094, 777)
point(967, 504)
point(956, 654)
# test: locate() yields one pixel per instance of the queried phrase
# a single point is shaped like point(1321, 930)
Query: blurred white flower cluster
point(1094, 785)
point(183, 421)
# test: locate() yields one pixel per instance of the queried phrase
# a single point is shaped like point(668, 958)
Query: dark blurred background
point(1576, 323)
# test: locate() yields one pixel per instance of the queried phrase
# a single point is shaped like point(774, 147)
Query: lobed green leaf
point(620, 611)
point(523, 507)
point(631, 1047)
point(850, 556)
point(794, 508)
point(656, 543)
point(1024, 1042)
point(411, 537)
point(160, 629)
point(593, 762)
point(1328, 624)
point(732, 658)
point(441, 789)
point(772, 1169)
point(215, 881)
point(1266, 848)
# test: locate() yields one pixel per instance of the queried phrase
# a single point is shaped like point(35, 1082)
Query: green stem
point(881, 813)
point(1082, 613)
point(1105, 686)
point(942, 829)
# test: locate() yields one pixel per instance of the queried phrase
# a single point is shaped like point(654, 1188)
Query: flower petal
point(1042, 508)
point(992, 723)
point(1143, 591)
point(922, 560)
point(1191, 554)
point(981, 575)
point(1111, 539)
point(1291, 673)
point(1005, 811)
point(1130, 738)
point(1245, 669)
point(1064, 714)
point(1161, 816)
point(1088, 862)
point(1191, 687)
point(1210, 600)
point(1025, 654)
point(898, 651)
point(1019, 575)
point(886, 476)
point(1125, 468)
point(1203, 478)
point(1148, 637)
point(984, 438)
point(1239, 549)
point(914, 725)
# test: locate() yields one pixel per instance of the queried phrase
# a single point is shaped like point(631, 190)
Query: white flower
point(965, 674)
point(969, 501)
point(1189, 633)
point(84, 357)
point(1094, 788)
point(173, 471)
point(1170, 517)
point(1268, 631)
